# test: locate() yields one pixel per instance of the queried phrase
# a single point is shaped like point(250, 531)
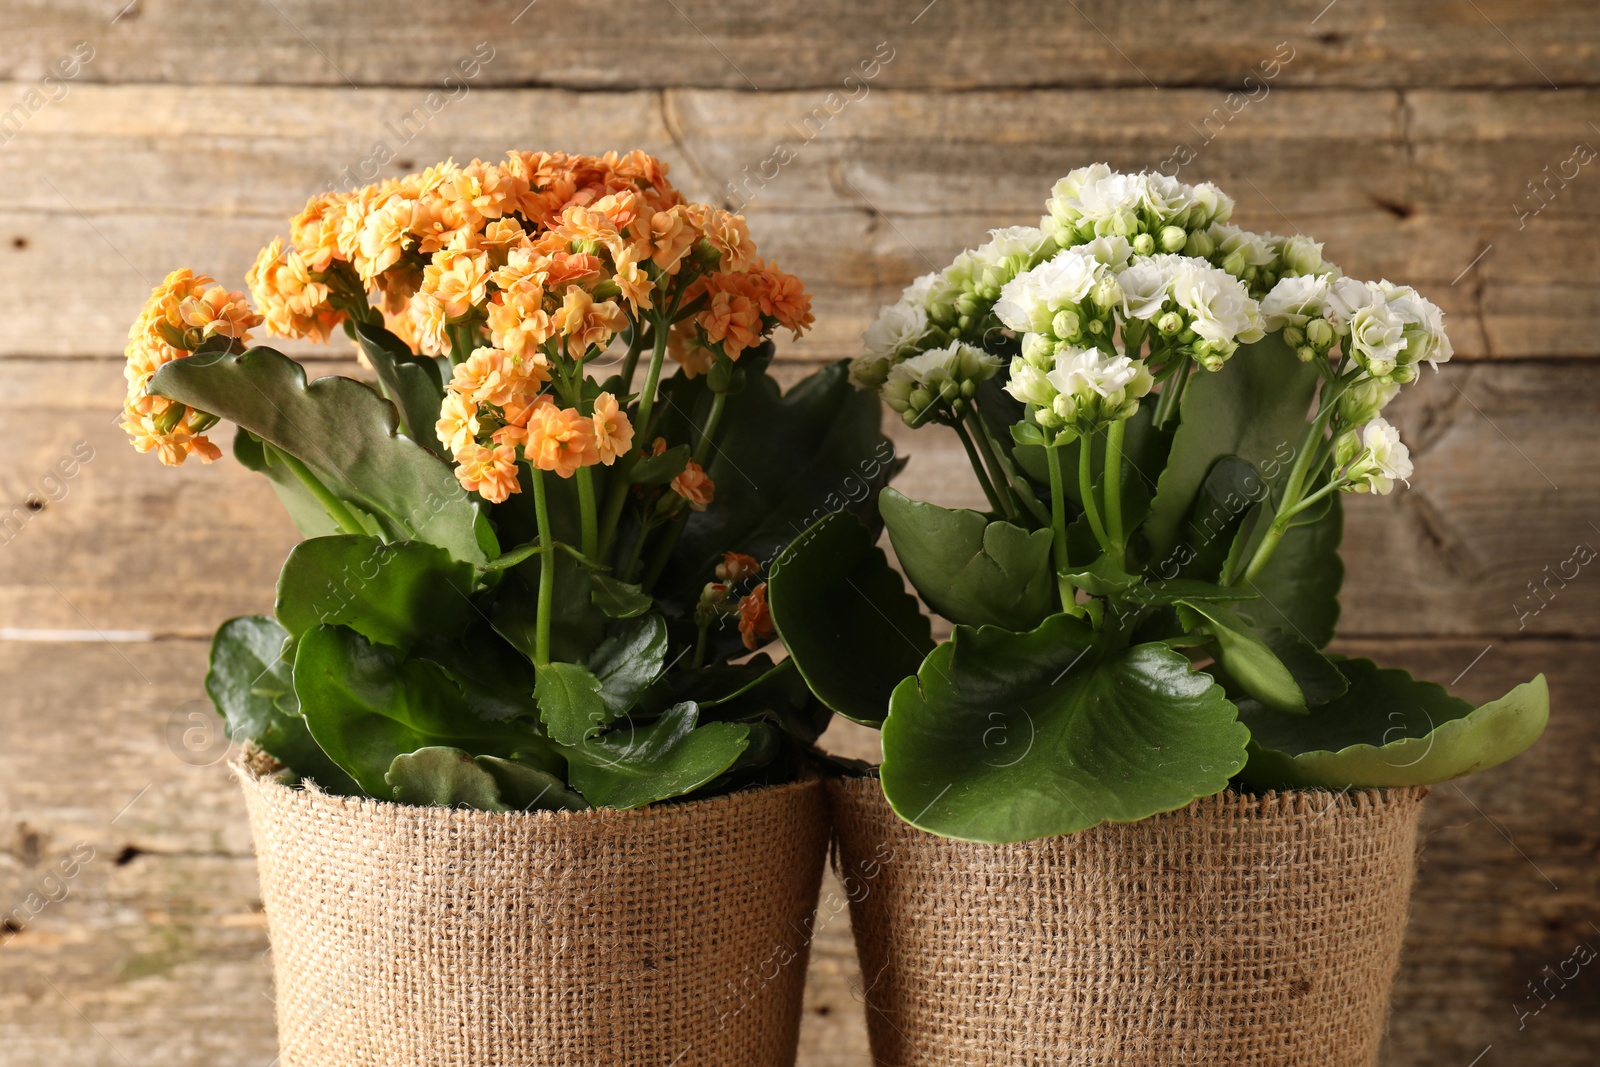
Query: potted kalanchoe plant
point(1164, 412)
point(522, 791)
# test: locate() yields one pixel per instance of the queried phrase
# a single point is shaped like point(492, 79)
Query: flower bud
point(1294, 336)
point(200, 421)
point(1302, 255)
point(1038, 350)
point(1235, 262)
point(1305, 353)
point(1403, 375)
point(1096, 327)
point(1066, 324)
point(169, 418)
point(1107, 293)
point(1169, 323)
point(1200, 245)
point(969, 388)
point(1173, 238)
point(919, 401)
point(1346, 447)
point(950, 389)
point(1319, 332)
point(1143, 244)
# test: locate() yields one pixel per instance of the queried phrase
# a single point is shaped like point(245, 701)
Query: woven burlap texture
point(1240, 931)
point(433, 937)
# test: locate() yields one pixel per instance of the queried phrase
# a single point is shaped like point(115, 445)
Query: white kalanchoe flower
point(1210, 205)
point(1377, 336)
point(1374, 458)
point(1084, 390)
point(896, 333)
point(915, 386)
point(1113, 251)
point(1301, 255)
point(1237, 251)
point(1033, 300)
point(1295, 301)
point(1424, 325)
point(1346, 296)
point(1007, 253)
point(1219, 310)
point(1146, 285)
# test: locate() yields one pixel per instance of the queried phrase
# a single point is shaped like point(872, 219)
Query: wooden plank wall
point(1428, 142)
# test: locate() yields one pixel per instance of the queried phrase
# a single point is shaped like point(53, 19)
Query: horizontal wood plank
point(891, 186)
point(750, 45)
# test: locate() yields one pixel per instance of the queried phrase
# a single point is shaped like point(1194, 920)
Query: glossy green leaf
point(569, 702)
point(411, 382)
point(366, 703)
point(659, 470)
point(1232, 489)
point(526, 787)
point(1299, 586)
point(395, 594)
point(1390, 730)
point(967, 568)
point(1009, 737)
point(1245, 656)
point(783, 461)
point(345, 433)
point(443, 777)
point(632, 766)
point(619, 599)
point(252, 685)
point(627, 661)
point(1257, 407)
point(846, 618)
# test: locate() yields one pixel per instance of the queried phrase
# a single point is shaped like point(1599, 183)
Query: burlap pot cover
point(432, 937)
point(1240, 931)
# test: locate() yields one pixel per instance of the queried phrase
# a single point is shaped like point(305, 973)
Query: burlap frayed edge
point(255, 770)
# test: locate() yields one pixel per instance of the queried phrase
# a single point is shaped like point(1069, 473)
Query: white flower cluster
point(1128, 273)
point(1373, 458)
point(1154, 212)
point(1079, 390)
point(947, 305)
point(1388, 329)
point(938, 380)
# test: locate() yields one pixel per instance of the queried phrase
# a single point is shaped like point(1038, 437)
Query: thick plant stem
point(1020, 491)
point(1058, 529)
point(1171, 396)
point(652, 381)
point(1086, 488)
point(978, 468)
point(1001, 487)
point(1310, 448)
point(702, 448)
point(1114, 485)
point(589, 539)
point(547, 572)
point(341, 515)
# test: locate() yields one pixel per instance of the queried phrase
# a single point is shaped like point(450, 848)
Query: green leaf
point(1245, 656)
point(1299, 586)
point(619, 599)
point(1231, 491)
point(1257, 408)
point(782, 461)
point(252, 685)
point(1390, 730)
point(395, 594)
point(659, 470)
point(310, 517)
point(1010, 737)
point(345, 433)
point(411, 382)
point(968, 569)
point(443, 777)
point(628, 661)
point(525, 787)
point(1318, 677)
point(850, 626)
point(570, 703)
point(366, 704)
point(631, 766)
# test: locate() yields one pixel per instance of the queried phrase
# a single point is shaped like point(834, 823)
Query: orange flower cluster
point(542, 248)
point(495, 406)
point(183, 312)
point(755, 616)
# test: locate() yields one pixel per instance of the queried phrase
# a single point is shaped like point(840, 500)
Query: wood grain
point(1430, 188)
point(751, 45)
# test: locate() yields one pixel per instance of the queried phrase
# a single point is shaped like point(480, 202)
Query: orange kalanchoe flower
point(613, 433)
point(755, 618)
point(560, 440)
point(695, 487)
point(291, 301)
point(489, 472)
point(736, 567)
point(182, 312)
